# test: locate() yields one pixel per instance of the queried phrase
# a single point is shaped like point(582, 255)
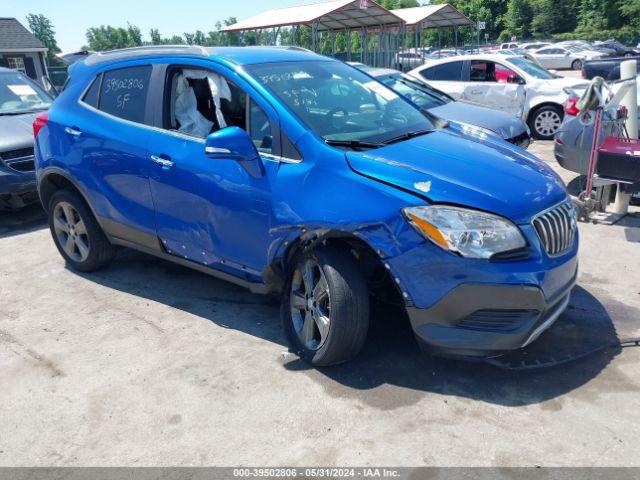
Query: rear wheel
point(325, 308)
point(76, 233)
point(545, 122)
point(576, 65)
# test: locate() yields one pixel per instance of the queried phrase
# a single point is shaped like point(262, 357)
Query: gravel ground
point(148, 363)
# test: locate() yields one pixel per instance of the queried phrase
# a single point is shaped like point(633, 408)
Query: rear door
point(104, 142)
point(493, 85)
point(447, 77)
point(551, 57)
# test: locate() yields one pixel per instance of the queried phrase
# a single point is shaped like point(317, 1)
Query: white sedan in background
point(511, 84)
point(564, 57)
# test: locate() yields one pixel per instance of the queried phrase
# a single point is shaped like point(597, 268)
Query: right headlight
point(470, 233)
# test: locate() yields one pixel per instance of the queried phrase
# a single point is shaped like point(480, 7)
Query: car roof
point(237, 55)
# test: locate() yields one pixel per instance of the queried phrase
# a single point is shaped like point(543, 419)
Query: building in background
point(21, 50)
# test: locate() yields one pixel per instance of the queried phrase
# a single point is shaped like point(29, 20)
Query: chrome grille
point(556, 228)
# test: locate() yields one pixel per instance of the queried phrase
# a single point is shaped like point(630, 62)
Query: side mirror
point(233, 143)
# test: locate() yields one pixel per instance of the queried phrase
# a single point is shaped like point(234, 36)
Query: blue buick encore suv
point(298, 175)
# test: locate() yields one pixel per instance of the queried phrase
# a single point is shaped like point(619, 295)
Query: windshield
point(532, 69)
point(340, 103)
point(20, 95)
point(421, 95)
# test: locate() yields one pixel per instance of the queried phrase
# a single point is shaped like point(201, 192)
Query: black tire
point(540, 113)
point(348, 312)
point(576, 65)
point(100, 250)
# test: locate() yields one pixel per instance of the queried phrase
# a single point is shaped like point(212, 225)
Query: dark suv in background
point(21, 101)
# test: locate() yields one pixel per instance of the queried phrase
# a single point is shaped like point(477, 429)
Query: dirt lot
point(147, 363)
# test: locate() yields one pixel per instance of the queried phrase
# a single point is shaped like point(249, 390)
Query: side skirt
point(124, 236)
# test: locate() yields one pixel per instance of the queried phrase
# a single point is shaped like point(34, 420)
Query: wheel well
point(542, 105)
point(378, 278)
point(51, 184)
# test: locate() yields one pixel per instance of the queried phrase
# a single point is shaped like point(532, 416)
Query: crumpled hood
point(466, 169)
point(16, 131)
point(504, 124)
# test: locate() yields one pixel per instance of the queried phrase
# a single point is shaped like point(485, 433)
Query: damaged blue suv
point(294, 174)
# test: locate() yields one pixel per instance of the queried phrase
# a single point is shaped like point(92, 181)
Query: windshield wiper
point(355, 144)
point(407, 136)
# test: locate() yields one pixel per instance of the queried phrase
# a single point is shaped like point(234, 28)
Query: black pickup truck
point(607, 68)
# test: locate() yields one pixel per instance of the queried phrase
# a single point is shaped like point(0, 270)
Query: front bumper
point(17, 189)
point(478, 307)
point(479, 319)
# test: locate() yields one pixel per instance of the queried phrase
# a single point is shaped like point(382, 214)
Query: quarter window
point(93, 94)
point(123, 92)
point(451, 71)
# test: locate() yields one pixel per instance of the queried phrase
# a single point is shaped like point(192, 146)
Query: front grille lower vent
point(20, 153)
point(497, 320)
point(23, 165)
point(556, 228)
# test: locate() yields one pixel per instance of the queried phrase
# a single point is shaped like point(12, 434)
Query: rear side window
point(451, 71)
point(121, 93)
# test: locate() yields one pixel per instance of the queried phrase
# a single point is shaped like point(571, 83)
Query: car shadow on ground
point(25, 220)
point(575, 350)
point(571, 353)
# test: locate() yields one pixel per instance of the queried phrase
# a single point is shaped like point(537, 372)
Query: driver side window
point(201, 102)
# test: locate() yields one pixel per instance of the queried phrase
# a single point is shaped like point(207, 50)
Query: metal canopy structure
point(433, 16)
point(336, 15)
point(382, 32)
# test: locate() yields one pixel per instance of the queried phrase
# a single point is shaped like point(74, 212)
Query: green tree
point(109, 38)
point(156, 38)
point(43, 29)
point(630, 12)
point(517, 20)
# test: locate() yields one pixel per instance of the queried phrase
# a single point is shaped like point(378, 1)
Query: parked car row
point(511, 84)
point(291, 173)
point(508, 127)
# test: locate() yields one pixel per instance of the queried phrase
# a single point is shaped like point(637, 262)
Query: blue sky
point(71, 18)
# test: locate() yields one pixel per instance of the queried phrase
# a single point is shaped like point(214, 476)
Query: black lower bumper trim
point(477, 319)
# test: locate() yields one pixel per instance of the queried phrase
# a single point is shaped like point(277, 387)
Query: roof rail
point(144, 51)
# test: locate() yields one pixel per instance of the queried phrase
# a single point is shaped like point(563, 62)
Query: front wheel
point(545, 122)
point(325, 308)
point(576, 65)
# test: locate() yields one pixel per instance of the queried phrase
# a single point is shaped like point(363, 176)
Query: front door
point(215, 212)
point(495, 86)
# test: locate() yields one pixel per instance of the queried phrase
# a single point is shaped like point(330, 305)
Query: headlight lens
point(470, 233)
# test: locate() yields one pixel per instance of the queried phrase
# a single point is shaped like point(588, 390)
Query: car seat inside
point(203, 102)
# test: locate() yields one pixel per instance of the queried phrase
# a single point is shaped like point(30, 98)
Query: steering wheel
point(392, 117)
point(338, 121)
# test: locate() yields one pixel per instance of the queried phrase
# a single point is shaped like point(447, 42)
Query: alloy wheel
point(547, 123)
point(71, 232)
point(310, 304)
